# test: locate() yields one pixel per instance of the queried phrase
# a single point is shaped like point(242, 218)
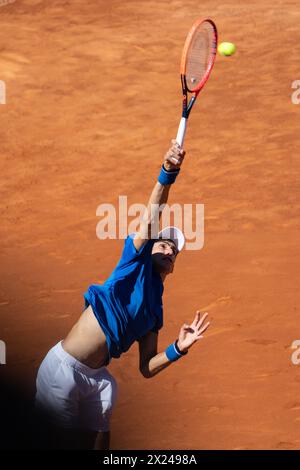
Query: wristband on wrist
point(167, 176)
point(182, 353)
point(173, 353)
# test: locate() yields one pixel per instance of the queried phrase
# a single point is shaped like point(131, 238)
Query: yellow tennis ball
point(226, 48)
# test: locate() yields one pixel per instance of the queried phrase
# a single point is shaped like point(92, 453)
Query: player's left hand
point(190, 334)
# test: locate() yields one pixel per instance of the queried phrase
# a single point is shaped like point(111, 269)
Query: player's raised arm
point(170, 169)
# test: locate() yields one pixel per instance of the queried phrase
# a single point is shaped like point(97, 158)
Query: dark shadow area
point(21, 426)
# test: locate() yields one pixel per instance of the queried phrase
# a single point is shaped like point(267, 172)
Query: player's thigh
point(95, 410)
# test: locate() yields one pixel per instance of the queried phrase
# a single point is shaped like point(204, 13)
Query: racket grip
point(181, 131)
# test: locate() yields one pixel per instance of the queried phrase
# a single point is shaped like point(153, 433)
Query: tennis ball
point(226, 48)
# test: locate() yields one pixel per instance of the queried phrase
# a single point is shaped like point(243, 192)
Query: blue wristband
point(173, 353)
point(167, 177)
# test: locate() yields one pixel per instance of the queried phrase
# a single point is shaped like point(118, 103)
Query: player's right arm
point(159, 196)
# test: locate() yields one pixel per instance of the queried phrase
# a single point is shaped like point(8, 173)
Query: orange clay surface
point(93, 100)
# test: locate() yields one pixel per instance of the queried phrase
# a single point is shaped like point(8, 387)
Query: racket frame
point(187, 106)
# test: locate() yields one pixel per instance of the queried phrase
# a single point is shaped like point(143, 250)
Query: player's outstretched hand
point(190, 334)
point(174, 156)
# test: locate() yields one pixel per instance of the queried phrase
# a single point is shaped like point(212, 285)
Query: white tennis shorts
point(72, 394)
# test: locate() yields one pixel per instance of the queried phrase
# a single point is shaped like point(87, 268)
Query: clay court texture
point(93, 99)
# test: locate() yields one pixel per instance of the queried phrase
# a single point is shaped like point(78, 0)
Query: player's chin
point(169, 268)
point(163, 267)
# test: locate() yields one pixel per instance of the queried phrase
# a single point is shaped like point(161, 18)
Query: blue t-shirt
point(129, 303)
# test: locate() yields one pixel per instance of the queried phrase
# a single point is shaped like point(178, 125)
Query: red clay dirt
point(93, 100)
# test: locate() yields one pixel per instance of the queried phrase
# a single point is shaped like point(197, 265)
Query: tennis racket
point(198, 58)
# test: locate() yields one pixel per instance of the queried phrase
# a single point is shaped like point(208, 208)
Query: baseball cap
point(173, 233)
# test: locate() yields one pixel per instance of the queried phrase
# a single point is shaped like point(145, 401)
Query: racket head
point(199, 54)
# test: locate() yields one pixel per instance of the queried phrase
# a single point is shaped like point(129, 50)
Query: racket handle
point(181, 131)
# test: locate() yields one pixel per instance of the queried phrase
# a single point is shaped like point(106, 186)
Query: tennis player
point(73, 383)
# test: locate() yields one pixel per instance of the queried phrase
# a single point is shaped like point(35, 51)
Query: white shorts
point(73, 394)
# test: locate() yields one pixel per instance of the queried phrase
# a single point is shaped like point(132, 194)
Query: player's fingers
point(173, 154)
point(187, 328)
point(175, 143)
point(177, 149)
point(204, 328)
point(174, 159)
point(202, 319)
point(196, 319)
point(174, 151)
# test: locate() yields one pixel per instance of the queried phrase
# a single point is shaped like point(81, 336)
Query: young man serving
point(73, 383)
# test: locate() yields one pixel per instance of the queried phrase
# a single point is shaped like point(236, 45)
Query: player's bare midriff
point(86, 341)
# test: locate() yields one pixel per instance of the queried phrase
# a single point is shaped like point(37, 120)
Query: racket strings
point(199, 54)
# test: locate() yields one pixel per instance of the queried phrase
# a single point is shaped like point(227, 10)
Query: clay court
point(93, 99)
